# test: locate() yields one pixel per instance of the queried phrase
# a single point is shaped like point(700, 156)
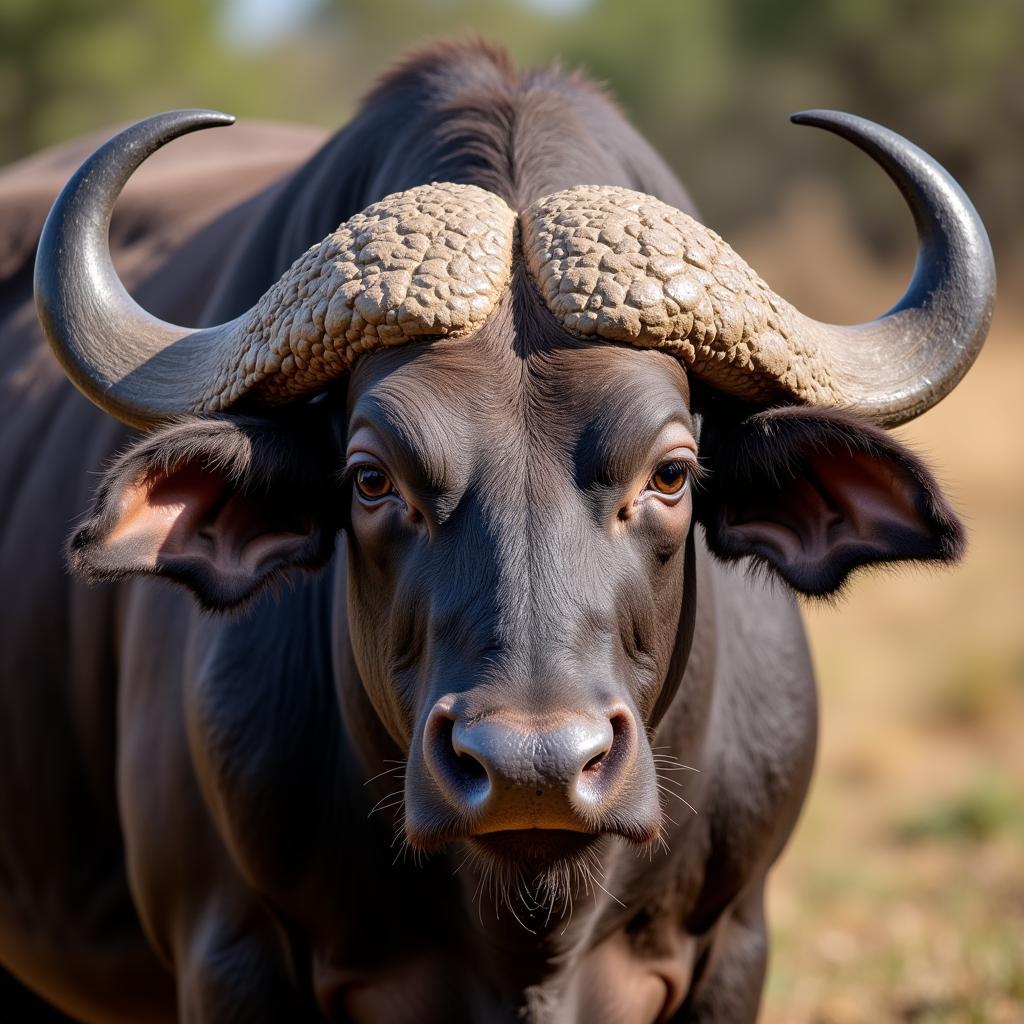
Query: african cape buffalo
point(442, 771)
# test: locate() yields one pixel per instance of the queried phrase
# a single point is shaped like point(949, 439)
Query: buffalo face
point(518, 524)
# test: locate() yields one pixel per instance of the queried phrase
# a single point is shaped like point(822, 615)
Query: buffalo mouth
point(535, 848)
point(537, 874)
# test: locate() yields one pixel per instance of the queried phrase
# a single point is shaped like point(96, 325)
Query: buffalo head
point(526, 413)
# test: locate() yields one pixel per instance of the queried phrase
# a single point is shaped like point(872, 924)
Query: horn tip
point(869, 136)
point(212, 118)
point(820, 118)
point(160, 129)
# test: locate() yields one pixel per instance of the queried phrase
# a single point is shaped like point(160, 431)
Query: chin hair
point(536, 894)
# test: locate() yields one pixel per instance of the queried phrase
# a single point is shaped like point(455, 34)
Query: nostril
point(470, 767)
point(622, 723)
point(622, 733)
point(460, 775)
point(608, 767)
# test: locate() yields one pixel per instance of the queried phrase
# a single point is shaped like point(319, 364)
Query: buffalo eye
point(670, 478)
point(373, 483)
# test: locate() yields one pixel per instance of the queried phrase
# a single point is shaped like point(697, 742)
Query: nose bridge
point(509, 587)
point(525, 614)
point(553, 580)
point(461, 584)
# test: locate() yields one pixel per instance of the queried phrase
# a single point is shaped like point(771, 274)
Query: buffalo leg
point(238, 973)
point(730, 991)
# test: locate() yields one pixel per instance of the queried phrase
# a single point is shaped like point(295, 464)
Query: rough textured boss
point(490, 377)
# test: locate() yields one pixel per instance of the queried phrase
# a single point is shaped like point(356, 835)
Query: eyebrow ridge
point(424, 456)
point(612, 458)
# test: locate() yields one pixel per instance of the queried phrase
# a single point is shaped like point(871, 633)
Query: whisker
point(397, 802)
point(609, 894)
point(671, 782)
point(681, 799)
point(471, 853)
point(569, 919)
point(400, 851)
point(478, 896)
point(387, 771)
point(380, 804)
point(666, 762)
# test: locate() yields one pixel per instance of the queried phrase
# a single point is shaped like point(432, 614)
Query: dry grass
point(901, 897)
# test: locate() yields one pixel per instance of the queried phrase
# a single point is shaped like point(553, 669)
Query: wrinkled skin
point(211, 808)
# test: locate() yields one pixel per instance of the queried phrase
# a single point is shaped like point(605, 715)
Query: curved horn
point(129, 363)
point(900, 365)
point(427, 262)
point(617, 264)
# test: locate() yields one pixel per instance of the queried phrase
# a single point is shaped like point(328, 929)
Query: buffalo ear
point(812, 494)
point(223, 505)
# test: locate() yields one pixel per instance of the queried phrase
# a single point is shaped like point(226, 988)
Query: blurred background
point(902, 896)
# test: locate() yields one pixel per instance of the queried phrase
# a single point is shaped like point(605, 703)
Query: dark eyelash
point(697, 470)
point(693, 467)
point(350, 469)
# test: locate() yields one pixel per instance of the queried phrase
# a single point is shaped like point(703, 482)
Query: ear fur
point(813, 494)
point(223, 505)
